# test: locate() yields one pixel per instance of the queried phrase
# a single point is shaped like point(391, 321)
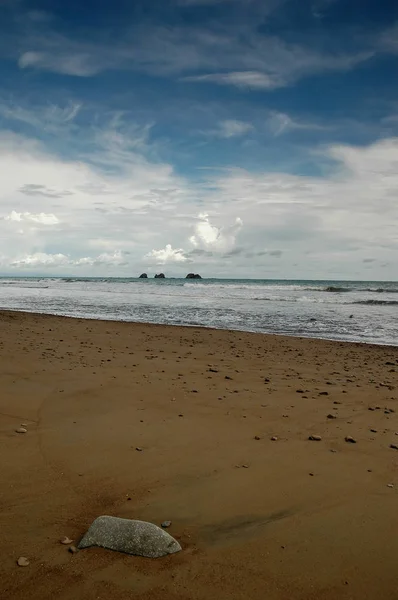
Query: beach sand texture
point(160, 423)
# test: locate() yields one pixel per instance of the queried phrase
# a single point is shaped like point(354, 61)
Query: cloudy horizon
point(233, 138)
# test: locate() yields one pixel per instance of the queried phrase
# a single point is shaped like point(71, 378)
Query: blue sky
point(250, 138)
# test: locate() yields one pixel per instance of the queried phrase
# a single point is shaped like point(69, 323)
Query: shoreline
point(199, 327)
point(206, 428)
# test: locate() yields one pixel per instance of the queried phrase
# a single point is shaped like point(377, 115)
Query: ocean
point(359, 311)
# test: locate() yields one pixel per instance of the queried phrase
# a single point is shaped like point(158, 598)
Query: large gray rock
point(129, 536)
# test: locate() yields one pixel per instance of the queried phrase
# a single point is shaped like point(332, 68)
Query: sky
point(230, 138)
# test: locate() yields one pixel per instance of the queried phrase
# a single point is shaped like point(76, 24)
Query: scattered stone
point(257, 437)
point(311, 474)
point(336, 402)
point(350, 439)
point(21, 430)
point(390, 485)
point(371, 408)
point(394, 446)
point(24, 425)
point(227, 377)
point(23, 561)
point(330, 416)
point(373, 430)
point(323, 393)
point(274, 438)
point(132, 537)
point(166, 524)
point(315, 438)
point(213, 370)
point(66, 541)
point(245, 466)
point(139, 449)
point(73, 550)
point(299, 391)
point(334, 451)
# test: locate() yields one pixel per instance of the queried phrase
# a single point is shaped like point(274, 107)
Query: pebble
point(66, 541)
point(390, 485)
point(166, 524)
point(350, 439)
point(324, 393)
point(315, 438)
point(73, 549)
point(21, 430)
point(373, 430)
point(394, 446)
point(257, 437)
point(139, 449)
point(274, 438)
point(23, 561)
point(330, 416)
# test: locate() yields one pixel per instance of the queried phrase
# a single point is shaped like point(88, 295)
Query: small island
point(160, 276)
point(143, 276)
point(193, 276)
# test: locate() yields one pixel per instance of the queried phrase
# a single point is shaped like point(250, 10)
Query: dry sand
point(258, 519)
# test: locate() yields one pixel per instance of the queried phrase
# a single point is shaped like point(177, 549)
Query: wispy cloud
point(80, 65)
point(226, 55)
point(231, 128)
point(241, 79)
point(280, 123)
point(48, 117)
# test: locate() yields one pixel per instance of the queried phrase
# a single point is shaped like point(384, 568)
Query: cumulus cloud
point(40, 218)
point(43, 260)
point(167, 255)
point(119, 198)
point(209, 237)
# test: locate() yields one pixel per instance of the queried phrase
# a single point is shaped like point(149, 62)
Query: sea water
point(360, 311)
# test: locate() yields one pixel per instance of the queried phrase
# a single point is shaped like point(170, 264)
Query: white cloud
point(41, 218)
point(280, 123)
point(227, 54)
point(166, 255)
point(211, 238)
point(111, 208)
point(233, 128)
point(41, 259)
point(50, 117)
point(78, 64)
point(255, 80)
point(44, 260)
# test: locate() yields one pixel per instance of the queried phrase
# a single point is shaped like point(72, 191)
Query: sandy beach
point(257, 518)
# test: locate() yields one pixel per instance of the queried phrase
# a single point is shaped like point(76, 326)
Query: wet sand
point(258, 519)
